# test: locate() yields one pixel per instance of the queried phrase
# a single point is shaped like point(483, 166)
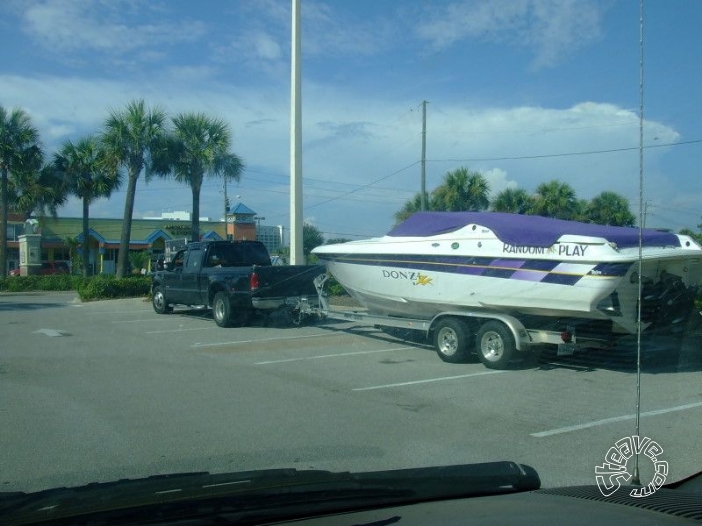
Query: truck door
point(190, 282)
point(172, 278)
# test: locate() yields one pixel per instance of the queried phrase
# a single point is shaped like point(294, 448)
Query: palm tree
point(200, 147)
point(87, 175)
point(37, 192)
point(412, 206)
point(610, 208)
point(513, 200)
point(555, 199)
point(136, 139)
point(462, 190)
point(20, 153)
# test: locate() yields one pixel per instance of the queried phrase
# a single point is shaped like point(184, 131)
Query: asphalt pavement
point(106, 390)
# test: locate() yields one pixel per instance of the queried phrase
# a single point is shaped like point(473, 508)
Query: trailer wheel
point(495, 345)
point(452, 340)
point(158, 300)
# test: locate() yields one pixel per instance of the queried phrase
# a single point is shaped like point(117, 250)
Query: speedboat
point(437, 262)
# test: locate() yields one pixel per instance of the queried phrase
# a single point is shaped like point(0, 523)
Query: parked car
point(47, 268)
point(54, 267)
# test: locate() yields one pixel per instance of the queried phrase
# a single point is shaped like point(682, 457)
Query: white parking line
point(107, 311)
point(182, 330)
point(338, 355)
point(144, 320)
point(220, 344)
point(415, 382)
point(605, 421)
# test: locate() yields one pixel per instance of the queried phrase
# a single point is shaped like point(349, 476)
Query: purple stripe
point(526, 275)
point(507, 263)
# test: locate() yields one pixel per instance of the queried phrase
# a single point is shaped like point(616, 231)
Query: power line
point(363, 186)
point(567, 154)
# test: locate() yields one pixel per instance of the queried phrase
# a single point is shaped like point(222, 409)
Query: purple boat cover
point(525, 230)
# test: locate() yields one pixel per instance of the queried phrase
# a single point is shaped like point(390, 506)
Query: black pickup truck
point(235, 279)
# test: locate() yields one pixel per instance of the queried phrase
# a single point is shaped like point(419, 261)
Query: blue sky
point(512, 85)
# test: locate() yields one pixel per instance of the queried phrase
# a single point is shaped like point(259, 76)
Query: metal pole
point(424, 156)
point(296, 253)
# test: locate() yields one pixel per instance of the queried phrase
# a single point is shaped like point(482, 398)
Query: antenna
point(635, 478)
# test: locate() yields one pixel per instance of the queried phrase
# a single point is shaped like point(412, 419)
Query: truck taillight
point(253, 281)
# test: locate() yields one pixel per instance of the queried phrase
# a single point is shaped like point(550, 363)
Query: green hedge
point(105, 287)
point(93, 288)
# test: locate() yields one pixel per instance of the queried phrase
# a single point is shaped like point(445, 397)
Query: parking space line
point(106, 311)
point(415, 382)
point(182, 330)
point(144, 320)
point(221, 344)
point(613, 419)
point(338, 355)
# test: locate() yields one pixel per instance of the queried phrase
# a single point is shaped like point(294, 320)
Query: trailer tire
point(158, 300)
point(495, 345)
point(452, 340)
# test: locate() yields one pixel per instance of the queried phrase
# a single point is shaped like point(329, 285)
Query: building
point(59, 235)
point(272, 237)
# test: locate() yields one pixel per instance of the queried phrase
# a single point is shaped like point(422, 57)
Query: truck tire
point(452, 340)
point(495, 345)
point(158, 300)
point(222, 310)
point(227, 316)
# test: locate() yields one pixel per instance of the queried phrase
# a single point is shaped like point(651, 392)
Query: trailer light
point(567, 336)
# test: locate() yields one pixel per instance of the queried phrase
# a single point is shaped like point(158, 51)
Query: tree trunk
point(123, 256)
point(196, 212)
point(3, 226)
point(86, 259)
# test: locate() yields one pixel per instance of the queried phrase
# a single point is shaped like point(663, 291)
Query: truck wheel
point(495, 345)
point(221, 310)
point(158, 300)
point(451, 340)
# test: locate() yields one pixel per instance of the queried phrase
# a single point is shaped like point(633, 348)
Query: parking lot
point(106, 390)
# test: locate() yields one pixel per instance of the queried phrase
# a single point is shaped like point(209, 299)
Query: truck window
point(178, 260)
point(193, 262)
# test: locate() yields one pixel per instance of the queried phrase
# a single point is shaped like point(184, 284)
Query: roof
point(108, 231)
point(526, 230)
point(241, 208)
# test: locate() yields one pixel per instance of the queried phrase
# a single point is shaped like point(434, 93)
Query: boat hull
point(411, 285)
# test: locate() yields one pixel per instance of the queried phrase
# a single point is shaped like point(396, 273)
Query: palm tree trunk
point(86, 211)
point(123, 256)
point(3, 226)
point(196, 212)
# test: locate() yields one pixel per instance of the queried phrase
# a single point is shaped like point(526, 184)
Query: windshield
point(504, 148)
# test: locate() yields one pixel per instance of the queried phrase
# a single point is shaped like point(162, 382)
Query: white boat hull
point(577, 277)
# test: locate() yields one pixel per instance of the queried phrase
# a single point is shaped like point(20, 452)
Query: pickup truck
point(233, 278)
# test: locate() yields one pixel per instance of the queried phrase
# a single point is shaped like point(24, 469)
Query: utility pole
point(424, 156)
point(296, 252)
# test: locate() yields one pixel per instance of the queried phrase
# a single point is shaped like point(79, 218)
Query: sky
point(523, 91)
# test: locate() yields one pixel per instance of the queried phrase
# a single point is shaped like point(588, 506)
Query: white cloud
point(552, 28)
point(72, 25)
point(357, 146)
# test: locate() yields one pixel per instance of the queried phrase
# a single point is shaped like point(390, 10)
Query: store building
point(63, 235)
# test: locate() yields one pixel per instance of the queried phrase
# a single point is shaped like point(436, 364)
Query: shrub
point(92, 288)
point(334, 288)
point(104, 287)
